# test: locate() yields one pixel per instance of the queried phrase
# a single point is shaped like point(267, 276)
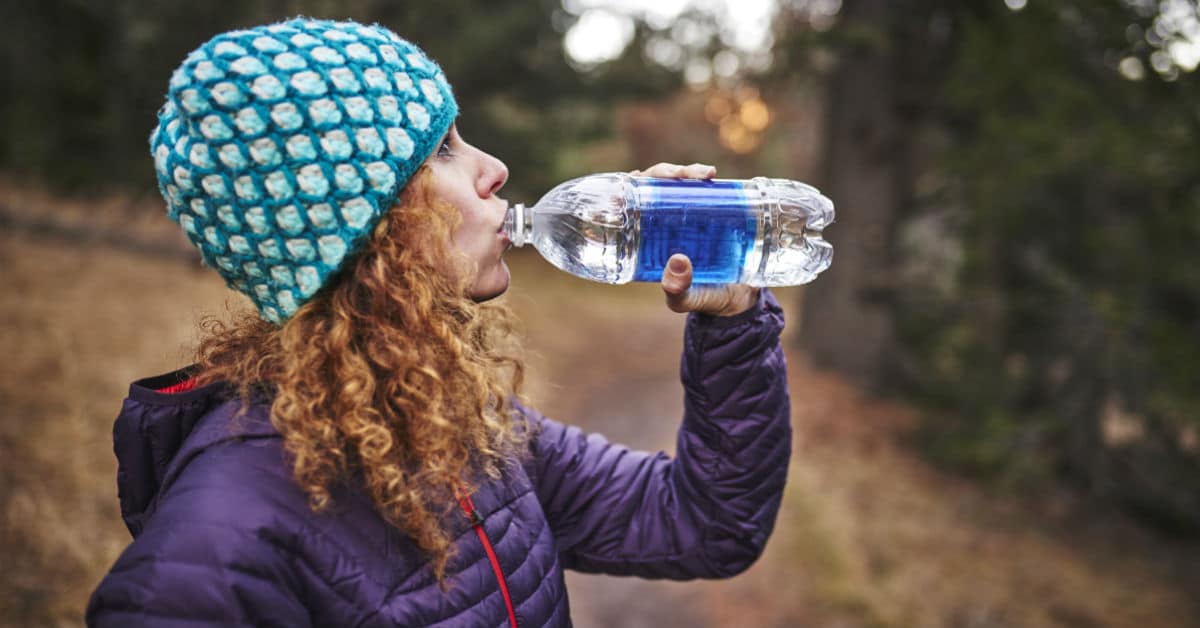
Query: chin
point(494, 287)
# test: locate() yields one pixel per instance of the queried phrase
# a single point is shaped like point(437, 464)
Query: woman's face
point(468, 179)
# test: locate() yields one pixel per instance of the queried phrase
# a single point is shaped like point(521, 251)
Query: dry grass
point(868, 536)
point(76, 327)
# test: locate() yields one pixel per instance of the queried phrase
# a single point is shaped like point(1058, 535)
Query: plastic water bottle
point(616, 228)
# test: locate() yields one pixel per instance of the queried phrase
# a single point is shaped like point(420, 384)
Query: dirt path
point(868, 536)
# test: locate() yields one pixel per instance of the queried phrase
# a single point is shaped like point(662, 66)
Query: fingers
point(700, 171)
point(665, 170)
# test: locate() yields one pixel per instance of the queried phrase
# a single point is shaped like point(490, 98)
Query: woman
point(353, 454)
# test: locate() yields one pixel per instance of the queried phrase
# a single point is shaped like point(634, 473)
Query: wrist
point(731, 315)
point(741, 301)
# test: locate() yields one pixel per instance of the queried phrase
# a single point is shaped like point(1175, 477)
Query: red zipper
point(477, 523)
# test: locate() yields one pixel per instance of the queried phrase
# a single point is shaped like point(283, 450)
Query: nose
point(492, 175)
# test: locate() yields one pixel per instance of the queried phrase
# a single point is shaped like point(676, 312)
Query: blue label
point(711, 222)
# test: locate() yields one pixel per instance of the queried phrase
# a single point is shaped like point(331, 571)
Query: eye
point(444, 149)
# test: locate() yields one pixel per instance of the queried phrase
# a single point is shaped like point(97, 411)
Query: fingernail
point(677, 265)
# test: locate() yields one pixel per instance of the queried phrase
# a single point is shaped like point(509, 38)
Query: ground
point(869, 534)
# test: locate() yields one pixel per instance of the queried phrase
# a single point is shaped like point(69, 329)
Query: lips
point(503, 216)
point(500, 231)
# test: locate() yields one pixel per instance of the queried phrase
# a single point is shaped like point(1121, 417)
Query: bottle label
point(712, 222)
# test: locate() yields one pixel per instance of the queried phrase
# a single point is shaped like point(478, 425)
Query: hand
point(722, 300)
point(665, 170)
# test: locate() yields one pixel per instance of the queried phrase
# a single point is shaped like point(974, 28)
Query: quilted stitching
point(348, 568)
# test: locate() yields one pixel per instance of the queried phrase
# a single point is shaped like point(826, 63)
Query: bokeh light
point(741, 117)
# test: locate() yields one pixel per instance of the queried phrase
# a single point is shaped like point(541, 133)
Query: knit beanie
point(280, 147)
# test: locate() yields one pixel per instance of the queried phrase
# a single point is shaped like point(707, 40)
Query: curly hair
point(390, 377)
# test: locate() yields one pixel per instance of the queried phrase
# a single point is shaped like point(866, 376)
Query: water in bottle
point(616, 228)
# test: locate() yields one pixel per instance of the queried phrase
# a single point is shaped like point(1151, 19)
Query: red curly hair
point(391, 375)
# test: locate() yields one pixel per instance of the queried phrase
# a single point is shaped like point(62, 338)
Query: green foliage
point(90, 77)
point(1076, 309)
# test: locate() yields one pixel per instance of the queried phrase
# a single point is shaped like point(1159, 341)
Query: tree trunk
point(847, 323)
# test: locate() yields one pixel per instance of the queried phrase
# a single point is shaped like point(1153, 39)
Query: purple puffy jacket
point(223, 536)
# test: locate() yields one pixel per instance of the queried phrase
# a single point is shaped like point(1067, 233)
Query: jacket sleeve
point(705, 513)
point(197, 573)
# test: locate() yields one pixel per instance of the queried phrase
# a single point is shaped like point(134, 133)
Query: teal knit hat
point(280, 147)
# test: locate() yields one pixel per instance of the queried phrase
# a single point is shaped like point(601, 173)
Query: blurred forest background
point(1011, 324)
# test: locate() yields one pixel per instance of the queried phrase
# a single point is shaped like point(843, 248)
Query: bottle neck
point(518, 224)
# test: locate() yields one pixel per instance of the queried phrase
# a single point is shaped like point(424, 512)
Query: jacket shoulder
point(233, 518)
point(245, 483)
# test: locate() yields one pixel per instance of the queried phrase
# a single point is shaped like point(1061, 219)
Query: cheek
point(464, 231)
point(468, 241)
point(476, 252)
point(472, 234)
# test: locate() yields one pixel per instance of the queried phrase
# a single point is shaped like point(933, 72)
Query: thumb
point(676, 280)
